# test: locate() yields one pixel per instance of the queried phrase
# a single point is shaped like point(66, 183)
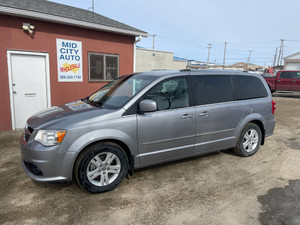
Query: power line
point(263, 53)
point(293, 40)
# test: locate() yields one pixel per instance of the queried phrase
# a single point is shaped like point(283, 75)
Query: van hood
point(64, 116)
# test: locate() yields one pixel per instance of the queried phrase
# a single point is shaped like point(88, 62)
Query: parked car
point(284, 81)
point(144, 119)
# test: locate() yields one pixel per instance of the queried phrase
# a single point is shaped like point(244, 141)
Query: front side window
point(118, 92)
point(170, 94)
point(103, 67)
point(212, 89)
point(286, 75)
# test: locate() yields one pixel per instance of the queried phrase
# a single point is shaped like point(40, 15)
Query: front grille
point(33, 169)
point(27, 136)
point(28, 132)
point(30, 129)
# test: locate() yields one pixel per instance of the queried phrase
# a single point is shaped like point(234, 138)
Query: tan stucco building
point(148, 59)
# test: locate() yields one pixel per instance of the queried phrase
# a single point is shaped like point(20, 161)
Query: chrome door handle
point(203, 114)
point(278, 80)
point(186, 116)
point(293, 81)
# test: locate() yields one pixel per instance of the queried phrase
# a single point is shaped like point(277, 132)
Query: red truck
point(285, 80)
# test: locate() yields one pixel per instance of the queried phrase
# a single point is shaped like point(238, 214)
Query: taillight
point(273, 106)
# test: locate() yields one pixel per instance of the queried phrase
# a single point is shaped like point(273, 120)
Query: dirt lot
point(220, 188)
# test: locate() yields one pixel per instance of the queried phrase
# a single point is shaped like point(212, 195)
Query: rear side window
point(286, 75)
point(248, 87)
point(212, 89)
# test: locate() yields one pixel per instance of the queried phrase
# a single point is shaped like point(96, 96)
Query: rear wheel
point(101, 167)
point(249, 140)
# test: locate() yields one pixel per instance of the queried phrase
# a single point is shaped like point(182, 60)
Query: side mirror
point(147, 105)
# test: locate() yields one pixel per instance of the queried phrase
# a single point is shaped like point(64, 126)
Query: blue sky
point(186, 27)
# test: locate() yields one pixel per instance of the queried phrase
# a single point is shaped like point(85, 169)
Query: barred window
point(103, 67)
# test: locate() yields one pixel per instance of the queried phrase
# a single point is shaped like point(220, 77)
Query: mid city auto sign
point(69, 60)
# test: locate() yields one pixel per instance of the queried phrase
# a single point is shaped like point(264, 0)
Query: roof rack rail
point(158, 69)
point(184, 70)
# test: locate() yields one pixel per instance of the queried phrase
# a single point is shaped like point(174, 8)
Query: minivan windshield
point(119, 91)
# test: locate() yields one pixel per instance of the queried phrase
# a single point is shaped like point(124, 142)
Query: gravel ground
point(219, 188)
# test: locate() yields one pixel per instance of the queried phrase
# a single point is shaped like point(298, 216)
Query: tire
point(107, 165)
point(249, 140)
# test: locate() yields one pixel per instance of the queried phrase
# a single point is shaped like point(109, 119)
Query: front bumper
point(46, 163)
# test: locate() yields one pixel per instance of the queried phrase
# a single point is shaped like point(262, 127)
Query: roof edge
point(292, 55)
point(153, 50)
point(63, 20)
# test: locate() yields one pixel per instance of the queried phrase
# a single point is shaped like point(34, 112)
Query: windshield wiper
point(94, 103)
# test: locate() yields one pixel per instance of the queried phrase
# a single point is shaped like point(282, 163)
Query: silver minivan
point(144, 119)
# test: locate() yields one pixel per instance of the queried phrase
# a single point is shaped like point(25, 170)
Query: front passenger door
point(168, 132)
point(284, 82)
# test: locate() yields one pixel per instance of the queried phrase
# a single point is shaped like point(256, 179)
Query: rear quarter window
point(297, 75)
point(248, 87)
point(286, 75)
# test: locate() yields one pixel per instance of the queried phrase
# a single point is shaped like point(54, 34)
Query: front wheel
point(249, 140)
point(101, 167)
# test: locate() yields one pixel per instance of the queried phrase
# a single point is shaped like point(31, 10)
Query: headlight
point(50, 137)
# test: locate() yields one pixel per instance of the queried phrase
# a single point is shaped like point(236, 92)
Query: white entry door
point(29, 85)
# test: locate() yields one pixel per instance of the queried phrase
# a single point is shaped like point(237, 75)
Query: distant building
point(197, 63)
point(149, 59)
point(246, 66)
point(292, 62)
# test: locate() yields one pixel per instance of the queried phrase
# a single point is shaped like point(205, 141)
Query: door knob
point(14, 92)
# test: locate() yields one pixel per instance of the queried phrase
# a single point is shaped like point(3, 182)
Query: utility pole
point(209, 47)
point(280, 51)
point(249, 58)
point(224, 55)
point(282, 54)
point(275, 57)
point(153, 35)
